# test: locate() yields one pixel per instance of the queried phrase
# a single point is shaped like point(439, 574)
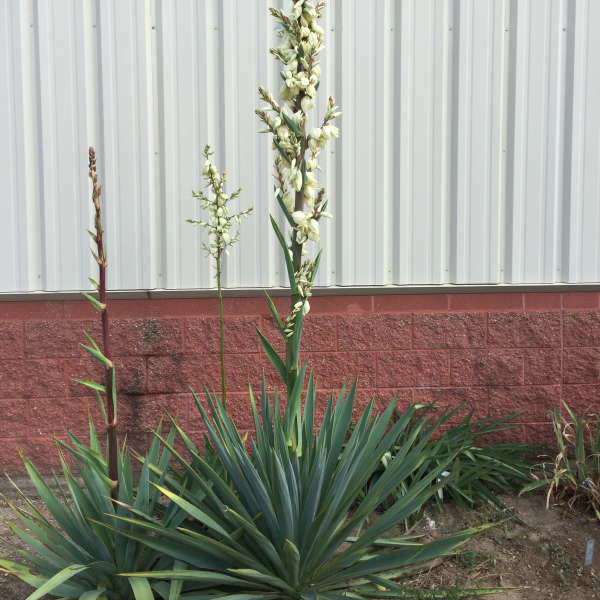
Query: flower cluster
point(301, 42)
point(296, 163)
point(304, 278)
point(220, 220)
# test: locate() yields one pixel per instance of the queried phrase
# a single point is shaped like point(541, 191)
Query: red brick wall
point(499, 352)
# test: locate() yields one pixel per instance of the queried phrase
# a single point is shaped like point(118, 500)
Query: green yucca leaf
point(97, 354)
point(91, 384)
point(272, 355)
point(101, 407)
point(24, 574)
point(92, 595)
point(288, 261)
point(285, 211)
point(206, 577)
point(176, 584)
point(274, 312)
point(91, 340)
point(113, 399)
point(281, 152)
point(193, 511)
point(141, 588)
point(94, 302)
point(290, 123)
point(258, 579)
point(54, 582)
point(261, 542)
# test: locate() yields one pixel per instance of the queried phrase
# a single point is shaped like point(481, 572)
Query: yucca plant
point(287, 518)
point(295, 524)
point(72, 554)
point(572, 479)
point(475, 473)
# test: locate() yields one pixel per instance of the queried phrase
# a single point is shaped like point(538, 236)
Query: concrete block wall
point(498, 352)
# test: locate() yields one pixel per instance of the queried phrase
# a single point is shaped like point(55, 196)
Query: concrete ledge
point(317, 291)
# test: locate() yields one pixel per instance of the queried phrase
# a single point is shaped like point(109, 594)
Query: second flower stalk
point(219, 226)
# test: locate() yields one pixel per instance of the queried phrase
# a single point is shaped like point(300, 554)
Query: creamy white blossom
point(216, 202)
point(312, 164)
point(307, 226)
point(297, 165)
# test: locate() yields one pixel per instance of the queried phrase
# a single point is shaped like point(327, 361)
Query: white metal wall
point(470, 148)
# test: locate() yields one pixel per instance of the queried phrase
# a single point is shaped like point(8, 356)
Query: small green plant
point(475, 473)
point(572, 479)
point(219, 227)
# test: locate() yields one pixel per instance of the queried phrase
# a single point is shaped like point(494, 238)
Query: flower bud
point(283, 133)
point(297, 9)
point(317, 28)
point(297, 180)
point(289, 200)
point(309, 197)
point(312, 164)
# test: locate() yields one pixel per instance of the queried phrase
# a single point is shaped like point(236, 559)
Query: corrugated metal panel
point(584, 214)
point(470, 148)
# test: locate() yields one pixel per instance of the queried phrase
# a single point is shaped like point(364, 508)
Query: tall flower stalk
point(219, 227)
point(296, 165)
point(103, 355)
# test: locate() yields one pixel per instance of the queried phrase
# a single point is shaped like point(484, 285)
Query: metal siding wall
point(584, 216)
point(470, 148)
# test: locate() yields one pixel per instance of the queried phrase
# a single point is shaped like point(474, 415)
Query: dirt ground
point(539, 552)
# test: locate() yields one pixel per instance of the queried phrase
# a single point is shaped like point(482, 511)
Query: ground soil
point(539, 553)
